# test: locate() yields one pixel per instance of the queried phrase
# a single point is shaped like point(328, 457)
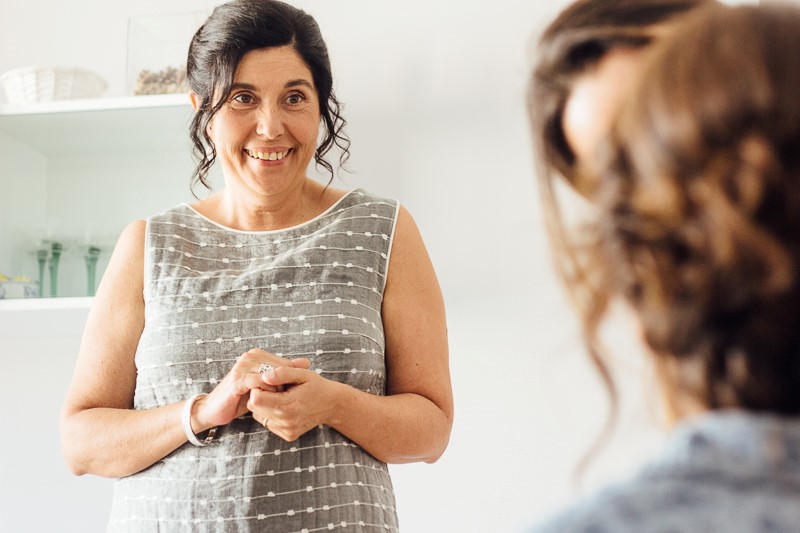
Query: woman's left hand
point(307, 401)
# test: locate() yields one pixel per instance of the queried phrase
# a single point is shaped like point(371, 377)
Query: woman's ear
point(195, 99)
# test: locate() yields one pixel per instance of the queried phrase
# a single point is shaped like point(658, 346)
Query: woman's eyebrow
point(239, 85)
point(295, 83)
point(288, 84)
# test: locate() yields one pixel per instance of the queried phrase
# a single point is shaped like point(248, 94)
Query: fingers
point(277, 415)
point(255, 365)
point(301, 362)
point(258, 406)
point(226, 401)
point(252, 360)
point(309, 401)
point(251, 381)
point(286, 375)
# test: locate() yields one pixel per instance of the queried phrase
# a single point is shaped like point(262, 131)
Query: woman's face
point(266, 132)
point(595, 99)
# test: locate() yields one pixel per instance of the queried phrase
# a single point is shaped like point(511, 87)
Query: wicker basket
point(31, 84)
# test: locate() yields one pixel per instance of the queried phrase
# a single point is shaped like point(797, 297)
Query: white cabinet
point(79, 171)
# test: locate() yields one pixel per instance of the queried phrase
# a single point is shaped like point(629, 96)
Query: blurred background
point(434, 97)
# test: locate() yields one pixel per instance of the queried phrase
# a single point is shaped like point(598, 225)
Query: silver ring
point(264, 367)
point(264, 423)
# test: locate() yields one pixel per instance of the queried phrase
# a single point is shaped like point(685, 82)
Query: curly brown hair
point(576, 41)
point(699, 209)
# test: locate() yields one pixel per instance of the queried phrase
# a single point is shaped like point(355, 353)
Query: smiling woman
point(265, 133)
point(252, 361)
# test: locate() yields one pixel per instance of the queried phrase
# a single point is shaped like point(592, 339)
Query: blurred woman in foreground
point(697, 230)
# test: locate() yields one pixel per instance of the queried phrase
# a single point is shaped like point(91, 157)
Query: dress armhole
point(391, 246)
point(146, 263)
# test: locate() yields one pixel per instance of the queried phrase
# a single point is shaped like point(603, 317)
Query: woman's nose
point(269, 122)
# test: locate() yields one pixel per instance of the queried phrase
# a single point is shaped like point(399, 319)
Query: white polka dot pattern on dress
point(213, 293)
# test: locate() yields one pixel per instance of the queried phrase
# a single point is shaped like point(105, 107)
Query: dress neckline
point(273, 231)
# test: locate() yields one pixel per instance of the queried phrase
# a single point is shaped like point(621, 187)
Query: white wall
point(434, 93)
point(37, 492)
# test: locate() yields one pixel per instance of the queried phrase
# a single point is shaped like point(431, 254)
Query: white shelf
point(52, 304)
point(95, 104)
point(101, 125)
point(43, 318)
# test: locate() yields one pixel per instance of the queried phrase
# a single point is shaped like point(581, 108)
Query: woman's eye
point(243, 98)
point(296, 98)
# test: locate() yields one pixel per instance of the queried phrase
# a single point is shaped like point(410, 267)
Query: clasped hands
point(288, 400)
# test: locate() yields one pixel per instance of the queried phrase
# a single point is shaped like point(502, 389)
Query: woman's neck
point(265, 213)
point(677, 402)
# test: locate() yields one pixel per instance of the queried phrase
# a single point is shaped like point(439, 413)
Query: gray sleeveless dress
point(212, 293)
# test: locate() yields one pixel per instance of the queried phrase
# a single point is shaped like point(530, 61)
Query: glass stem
point(41, 257)
point(55, 255)
point(91, 269)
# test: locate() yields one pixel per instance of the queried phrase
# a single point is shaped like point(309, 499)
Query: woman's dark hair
point(574, 43)
point(232, 30)
point(699, 209)
point(569, 47)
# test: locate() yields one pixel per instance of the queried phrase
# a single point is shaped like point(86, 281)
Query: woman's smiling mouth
point(268, 156)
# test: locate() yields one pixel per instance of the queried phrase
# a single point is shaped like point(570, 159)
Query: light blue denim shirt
point(723, 472)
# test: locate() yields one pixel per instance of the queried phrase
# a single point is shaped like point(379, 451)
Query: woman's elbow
point(434, 458)
point(443, 438)
point(429, 454)
point(74, 464)
point(439, 449)
point(438, 442)
point(71, 446)
point(75, 468)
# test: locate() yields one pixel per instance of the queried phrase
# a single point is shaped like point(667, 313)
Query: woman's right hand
point(228, 400)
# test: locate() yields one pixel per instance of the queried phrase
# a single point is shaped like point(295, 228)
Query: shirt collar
point(734, 444)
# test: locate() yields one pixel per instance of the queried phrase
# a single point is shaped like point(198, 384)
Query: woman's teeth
point(267, 156)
